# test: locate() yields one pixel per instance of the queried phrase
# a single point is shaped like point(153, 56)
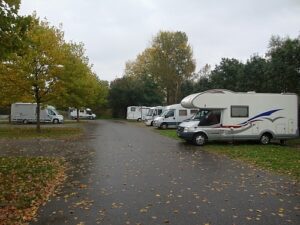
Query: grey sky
point(116, 31)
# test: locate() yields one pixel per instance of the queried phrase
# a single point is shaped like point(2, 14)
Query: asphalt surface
point(123, 173)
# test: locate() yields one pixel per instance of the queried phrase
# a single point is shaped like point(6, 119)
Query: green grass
point(53, 132)
point(168, 133)
point(26, 183)
point(282, 159)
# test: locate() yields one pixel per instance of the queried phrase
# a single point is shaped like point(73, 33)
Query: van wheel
point(265, 139)
point(139, 119)
point(200, 139)
point(25, 121)
point(55, 121)
point(164, 126)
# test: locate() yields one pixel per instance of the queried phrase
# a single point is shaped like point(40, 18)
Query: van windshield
point(150, 112)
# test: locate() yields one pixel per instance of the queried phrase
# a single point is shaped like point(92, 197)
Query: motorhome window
point(81, 110)
point(239, 111)
point(159, 111)
point(182, 112)
point(132, 109)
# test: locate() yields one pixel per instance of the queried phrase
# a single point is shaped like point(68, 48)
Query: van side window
point(239, 111)
point(194, 111)
point(159, 111)
point(211, 118)
point(170, 113)
point(132, 109)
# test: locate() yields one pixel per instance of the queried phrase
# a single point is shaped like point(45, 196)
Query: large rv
point(172, 116)
point(152, 114)
point(26, 113)
point(226, 115)
point(137, 112)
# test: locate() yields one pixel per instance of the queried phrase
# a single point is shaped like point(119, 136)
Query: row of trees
point(38, 65)
point(164, 73)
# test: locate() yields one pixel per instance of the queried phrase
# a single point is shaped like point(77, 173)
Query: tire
point(55, 121)
point(25, 121)
point(151, 124)
point(139, 119)
point(265, 139)
point(200, 139)
point(164, 126)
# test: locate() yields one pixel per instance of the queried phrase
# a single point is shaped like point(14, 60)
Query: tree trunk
point(38, 113)
point(77, 115)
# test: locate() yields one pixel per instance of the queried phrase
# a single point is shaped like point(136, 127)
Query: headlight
point(189, 129)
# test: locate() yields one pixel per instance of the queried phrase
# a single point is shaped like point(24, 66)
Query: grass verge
point(25, 184)
point(53, 132)
point(282, 159)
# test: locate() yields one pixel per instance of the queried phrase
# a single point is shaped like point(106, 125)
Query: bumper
point(185, 135)
point(156, 123)
point(148, 122)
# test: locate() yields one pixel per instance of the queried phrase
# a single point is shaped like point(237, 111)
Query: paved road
point(122, 173)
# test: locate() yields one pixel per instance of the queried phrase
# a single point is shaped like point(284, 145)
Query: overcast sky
point(115, 31)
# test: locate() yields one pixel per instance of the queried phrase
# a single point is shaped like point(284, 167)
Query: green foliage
point(277, 72)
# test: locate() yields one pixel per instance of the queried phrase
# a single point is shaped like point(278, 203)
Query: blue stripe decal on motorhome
point(268, 113)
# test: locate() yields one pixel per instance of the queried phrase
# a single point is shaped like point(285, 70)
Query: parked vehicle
point(83, 114)
point(152, 114)
point(137, 112)
point(229, 116)
point(172, 116)
point(26, 113)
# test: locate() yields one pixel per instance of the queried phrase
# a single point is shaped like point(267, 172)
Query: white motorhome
point(83, 114)
point(137, 112)
point(26, 113)
point(229, 116)
point(152, 114)
point(172, 116)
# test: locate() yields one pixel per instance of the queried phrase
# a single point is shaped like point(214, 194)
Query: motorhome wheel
point(200, 139)
point(265, 139)
point(139, 119)
point(55, 121)
point(25, 121)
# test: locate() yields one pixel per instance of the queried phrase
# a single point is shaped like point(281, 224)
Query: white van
point(137, 112)
point(83, 114)
point(152, 114)
point(226, 115)
point(26, 113)
point(172, 116)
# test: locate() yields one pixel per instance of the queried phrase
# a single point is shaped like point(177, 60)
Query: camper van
point(152, 114)
point(137, 112)
point(230, 116)
point(172, 116)
point(83, 114)
point(26, 113)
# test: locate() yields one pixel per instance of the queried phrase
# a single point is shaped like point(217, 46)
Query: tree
point(172, 62)
point(37, 72)
point(228, 75)
point(284, 70)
